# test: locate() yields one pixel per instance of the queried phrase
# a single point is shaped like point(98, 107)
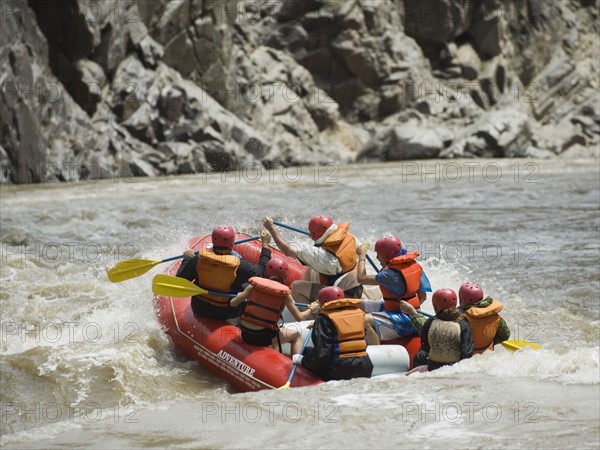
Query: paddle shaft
point(173, 258)
point(222, 294)
point(298, 230)
point(289, 227)
point(304, 344)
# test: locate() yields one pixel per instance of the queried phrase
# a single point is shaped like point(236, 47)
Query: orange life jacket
point(349, 322)
point(343, 245)
point(265, 304)
point(411, 272)
point(484, 325)
point(216, 273)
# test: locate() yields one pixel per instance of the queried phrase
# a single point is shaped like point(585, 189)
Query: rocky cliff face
point(98, 89)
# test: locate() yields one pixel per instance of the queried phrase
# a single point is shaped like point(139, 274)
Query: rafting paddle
point(298, 230)
point(511, 345)
point(133, 268)
point(169, 286)
point(292, 373)
point(519, 344)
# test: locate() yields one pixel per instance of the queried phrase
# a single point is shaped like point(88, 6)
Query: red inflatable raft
point(218, 345)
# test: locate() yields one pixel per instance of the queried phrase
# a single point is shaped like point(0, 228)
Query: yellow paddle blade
point(175, 287)
point(518, 344)
point(285, 386)
point(132, 268)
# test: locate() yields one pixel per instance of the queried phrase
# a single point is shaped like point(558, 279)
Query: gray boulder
point(503, 133)
point(402, 142)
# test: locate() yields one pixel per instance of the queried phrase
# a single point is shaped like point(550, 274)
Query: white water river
point(85, 364)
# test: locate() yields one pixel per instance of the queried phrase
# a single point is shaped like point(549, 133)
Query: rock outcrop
point(157, 87)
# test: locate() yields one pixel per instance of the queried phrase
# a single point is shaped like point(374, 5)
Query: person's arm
point(466, 339)
point(424, 287)
point(265, 254)
point(418, 320)
point(241, 296)
point(361, 273)
point(187, 269)
point(282, 244)
point(371, 333)
point(502, 333)
point(296, 313)
point(322, 338)
point(247, 270)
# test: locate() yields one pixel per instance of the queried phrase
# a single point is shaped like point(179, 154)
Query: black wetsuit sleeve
point(466, 339)
point(425, 335)
point(322, 337)
point(265, 257)
point(247, 270)
point(187, 269)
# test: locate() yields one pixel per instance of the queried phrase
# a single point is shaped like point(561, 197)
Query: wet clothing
point(487, 326)
point(322, 360)
point(332, 255)
point(216, 273)
point(401, 279)
point(203, 309)
point(343, 245)
point(398, 321)
point(317, 258)
point(266, 302)
point(409, 272)
point(245, 271)
point(452, 341)
point(349, 322)
point(261, 338)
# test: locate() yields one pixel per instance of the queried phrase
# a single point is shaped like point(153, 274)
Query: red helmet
point(388, 246)
point(470, 293)
point(277, 268)
point(329, 294)
point(442, 299)
point(223, 236)
point(318, 226)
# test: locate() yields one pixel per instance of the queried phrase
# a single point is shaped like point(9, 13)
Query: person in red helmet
point(483, 315)
point(446, 338)
point(266, 299)
point(221, 269)
point(402, 278)
point(331, 254)
point(339, 349)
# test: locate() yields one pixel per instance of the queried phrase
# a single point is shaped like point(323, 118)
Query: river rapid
point(85, 364)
